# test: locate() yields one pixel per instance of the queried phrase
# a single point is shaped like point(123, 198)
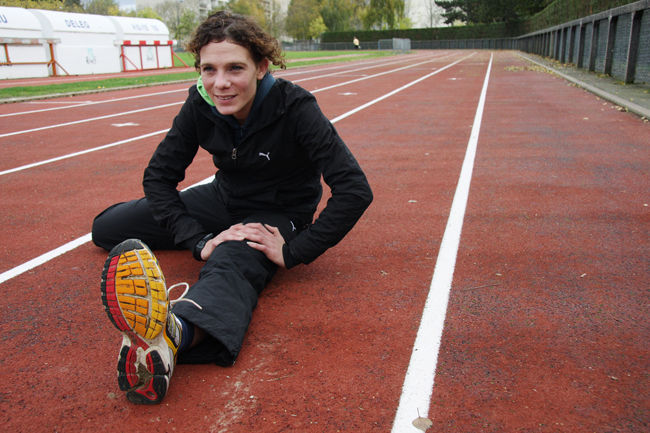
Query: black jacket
point(273, 163)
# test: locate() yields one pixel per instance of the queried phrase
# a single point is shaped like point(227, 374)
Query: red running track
point(546, 324)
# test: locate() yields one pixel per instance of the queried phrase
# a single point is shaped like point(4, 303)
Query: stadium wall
point(615, 42)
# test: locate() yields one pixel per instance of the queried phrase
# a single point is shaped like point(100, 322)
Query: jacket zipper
point(234, 149)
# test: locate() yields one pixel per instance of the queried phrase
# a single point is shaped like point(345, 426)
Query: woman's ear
point(262, 68)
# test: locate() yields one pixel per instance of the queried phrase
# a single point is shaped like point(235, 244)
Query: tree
point(338, 14)
point(300, 15)
point(52, 5)
point(384, 14)
point(493, 11)
point(317, 27)
point(434, 13)
point(251, 8)
point(146, 13)
point(275, 19)
point(102, 7)
point(180, 18)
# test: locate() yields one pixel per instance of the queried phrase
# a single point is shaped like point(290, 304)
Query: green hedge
point(483, 31)
point(562, 11)
point(558, 12)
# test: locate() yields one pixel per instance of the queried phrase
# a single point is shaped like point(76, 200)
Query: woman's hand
point(233, 233)
point(267, 239)
point(262, 237)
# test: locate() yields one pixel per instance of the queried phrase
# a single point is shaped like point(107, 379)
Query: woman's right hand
point(233, 233)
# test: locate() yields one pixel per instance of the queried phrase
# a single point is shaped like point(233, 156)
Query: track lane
point(109, 113)
point(292, 346)
point(329, 344)
point(24, 214)
point(547, 323)
point(30, 213)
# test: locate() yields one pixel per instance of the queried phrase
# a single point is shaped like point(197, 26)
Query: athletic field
point(498, 282)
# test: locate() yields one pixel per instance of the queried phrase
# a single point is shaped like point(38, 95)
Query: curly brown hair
point(238, 29)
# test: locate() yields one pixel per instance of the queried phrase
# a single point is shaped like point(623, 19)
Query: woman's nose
point(221, 81)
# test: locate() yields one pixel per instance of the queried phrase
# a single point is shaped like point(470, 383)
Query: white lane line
point(333, 74)
point(82, 152)
point(374, 101)
point(320, 68)
point(76, 122)
point(418, 383)
point(184, 89)
point(7, 275)
point(9, 134)
point(88, 103)
point(385, 73)
point(44, 258)
point(36, 164)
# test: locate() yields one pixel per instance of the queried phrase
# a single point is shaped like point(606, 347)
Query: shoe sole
point(133, 290)
point(135, 300)
point(142, 386)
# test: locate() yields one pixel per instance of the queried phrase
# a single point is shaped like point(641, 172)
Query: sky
point(126, 4)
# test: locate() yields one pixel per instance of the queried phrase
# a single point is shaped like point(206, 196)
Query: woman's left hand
point(267, 239)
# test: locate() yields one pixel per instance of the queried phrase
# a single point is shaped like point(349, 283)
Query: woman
point(271, 145)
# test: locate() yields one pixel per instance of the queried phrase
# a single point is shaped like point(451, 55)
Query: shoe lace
point(182, 296)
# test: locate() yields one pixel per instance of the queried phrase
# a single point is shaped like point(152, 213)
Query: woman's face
point(230, 76)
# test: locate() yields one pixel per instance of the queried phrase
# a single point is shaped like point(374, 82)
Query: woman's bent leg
point(228, 287)
point(133, 219)
point(129, 220)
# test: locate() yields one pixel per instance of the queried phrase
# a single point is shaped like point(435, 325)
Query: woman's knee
point(102, 232)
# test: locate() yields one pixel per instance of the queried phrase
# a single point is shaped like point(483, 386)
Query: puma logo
point(266, 155)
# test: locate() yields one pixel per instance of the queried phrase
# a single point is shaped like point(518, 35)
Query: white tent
point(23, 51)
point(144, 43)
point(86, 41)
point(38, 43)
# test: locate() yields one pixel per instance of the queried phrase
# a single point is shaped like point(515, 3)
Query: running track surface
point(498, 283)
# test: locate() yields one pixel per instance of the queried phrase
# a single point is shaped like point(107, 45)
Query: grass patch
point(294, 59)
point(95, 85)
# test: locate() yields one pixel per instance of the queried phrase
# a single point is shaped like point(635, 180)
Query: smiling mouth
point(224, 98)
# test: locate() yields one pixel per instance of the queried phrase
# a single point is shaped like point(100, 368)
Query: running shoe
point(136, 300)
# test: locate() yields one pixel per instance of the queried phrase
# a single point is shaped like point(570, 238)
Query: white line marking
point(321, 68)
point(87, 237)
point(36, 164)
point(72, 155)
point(367, 67)
point(374, 101)
point(418, 383)
point(44, 258)
point(87, 103)
point(78, 104)
point(75, 122)
point(385, 73)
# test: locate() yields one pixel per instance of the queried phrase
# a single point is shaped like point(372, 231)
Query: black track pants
point(230, 281)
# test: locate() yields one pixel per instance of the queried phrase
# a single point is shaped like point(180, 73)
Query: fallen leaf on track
point(422, 423)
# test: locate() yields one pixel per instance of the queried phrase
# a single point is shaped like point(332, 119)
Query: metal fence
point(615, 42)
